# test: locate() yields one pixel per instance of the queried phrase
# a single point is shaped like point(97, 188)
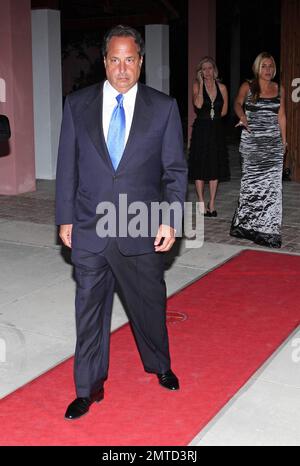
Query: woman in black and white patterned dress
point(258, 216)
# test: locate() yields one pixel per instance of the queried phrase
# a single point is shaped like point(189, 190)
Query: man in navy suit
point(91, 170)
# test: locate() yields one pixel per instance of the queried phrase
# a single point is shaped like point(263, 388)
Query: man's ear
point(141, 62)
point(104, 61)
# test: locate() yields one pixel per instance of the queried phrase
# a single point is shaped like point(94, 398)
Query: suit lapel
point(92, 117)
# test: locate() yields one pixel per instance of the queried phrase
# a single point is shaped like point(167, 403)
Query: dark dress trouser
point(143, 291)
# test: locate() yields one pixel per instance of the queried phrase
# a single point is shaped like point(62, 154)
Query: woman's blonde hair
point(207, 60)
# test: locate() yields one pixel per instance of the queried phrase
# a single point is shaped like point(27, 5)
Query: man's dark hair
point(123, 31)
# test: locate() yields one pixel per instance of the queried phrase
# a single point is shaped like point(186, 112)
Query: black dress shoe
point(81, 406)
point(168, 380)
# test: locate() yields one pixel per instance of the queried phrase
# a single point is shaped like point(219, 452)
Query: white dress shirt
point(109, 103)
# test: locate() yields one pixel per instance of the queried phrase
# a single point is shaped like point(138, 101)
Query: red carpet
point(237, 316)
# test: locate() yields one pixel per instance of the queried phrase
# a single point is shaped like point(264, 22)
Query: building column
point(201, 40)
point(157, 57)
point(235, 55)
point(47, 89)
point(290, 78)
point(17, 170)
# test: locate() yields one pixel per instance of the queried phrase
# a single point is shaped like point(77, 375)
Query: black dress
point(208, 158)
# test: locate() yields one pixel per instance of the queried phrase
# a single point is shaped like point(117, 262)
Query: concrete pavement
point(37, 328)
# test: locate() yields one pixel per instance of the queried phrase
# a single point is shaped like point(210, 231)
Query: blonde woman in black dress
point(208, 159)
point(260, 106)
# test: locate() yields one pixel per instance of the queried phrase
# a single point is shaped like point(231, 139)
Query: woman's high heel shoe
point(207, 213)
point(213, 213)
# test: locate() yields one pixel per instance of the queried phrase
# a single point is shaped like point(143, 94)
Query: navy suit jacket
point(152, 168)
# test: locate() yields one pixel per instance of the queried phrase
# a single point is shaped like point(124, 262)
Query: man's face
point(122, 63)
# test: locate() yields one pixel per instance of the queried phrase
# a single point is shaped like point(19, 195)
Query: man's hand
point(166, 233)
point(65, 232)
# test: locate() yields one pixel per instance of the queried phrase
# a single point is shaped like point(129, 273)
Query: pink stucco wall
point(202, 40)
point(17, 170)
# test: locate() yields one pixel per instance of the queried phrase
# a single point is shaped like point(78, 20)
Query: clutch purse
point(4, 128)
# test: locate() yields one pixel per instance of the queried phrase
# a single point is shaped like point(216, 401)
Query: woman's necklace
point(212, 104)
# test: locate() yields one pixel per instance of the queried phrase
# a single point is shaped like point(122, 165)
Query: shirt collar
point(112, 92)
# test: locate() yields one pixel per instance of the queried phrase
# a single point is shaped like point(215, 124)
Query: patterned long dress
point(258, 216)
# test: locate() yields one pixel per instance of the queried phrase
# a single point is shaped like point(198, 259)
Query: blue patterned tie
point(116, 132)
